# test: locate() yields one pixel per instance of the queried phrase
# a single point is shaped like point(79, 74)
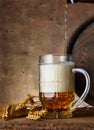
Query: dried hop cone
point(30, 107)
point(36, 113)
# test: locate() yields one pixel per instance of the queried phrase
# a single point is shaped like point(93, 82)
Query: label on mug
point(57, 77)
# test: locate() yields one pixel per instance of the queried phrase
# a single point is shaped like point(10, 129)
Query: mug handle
point(87, 87)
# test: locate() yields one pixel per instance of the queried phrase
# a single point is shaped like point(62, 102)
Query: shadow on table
point(84, 112)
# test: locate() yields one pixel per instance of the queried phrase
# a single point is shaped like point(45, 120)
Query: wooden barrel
point(81, 46)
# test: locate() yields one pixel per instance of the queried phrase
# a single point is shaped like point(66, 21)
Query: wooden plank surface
point(83, 119)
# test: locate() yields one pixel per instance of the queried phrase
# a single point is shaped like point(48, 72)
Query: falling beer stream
point(65, 26)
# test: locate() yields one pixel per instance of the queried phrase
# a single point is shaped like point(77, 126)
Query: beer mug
point(57, 85)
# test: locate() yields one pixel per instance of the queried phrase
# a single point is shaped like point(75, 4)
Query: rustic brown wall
point(29, 28)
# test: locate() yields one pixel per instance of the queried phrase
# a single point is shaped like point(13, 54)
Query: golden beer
point(60, 101)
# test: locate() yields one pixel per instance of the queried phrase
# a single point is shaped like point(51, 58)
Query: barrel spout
point(84, 1)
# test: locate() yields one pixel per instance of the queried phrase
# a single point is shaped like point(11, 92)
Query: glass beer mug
point(57, 85)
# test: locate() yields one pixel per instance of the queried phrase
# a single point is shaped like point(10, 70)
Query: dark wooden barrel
point(81, 46)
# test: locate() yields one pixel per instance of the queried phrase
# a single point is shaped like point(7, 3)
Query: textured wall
point(29, 28)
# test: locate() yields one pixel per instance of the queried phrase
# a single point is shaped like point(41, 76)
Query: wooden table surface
point(83, 119)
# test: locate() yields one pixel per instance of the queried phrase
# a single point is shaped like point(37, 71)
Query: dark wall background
point(29, 28)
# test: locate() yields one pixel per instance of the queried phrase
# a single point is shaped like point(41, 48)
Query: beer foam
point(57, 77)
